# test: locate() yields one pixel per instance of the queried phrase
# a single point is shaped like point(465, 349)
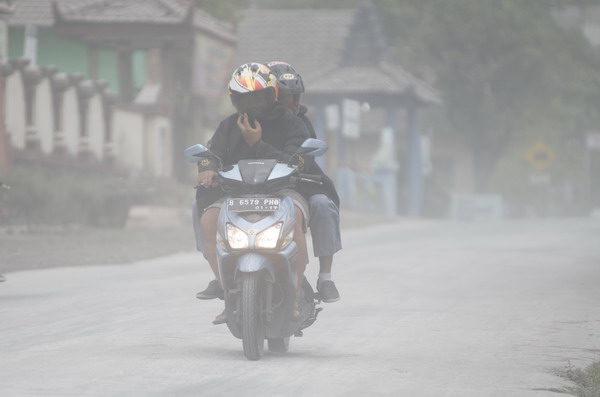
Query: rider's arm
point(306, 120)
point(217, 145)
point(296, 133)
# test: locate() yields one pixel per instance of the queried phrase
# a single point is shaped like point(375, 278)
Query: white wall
point(128, 137)
point(15, 110)
point(142, 144)
point(44, 118)
point(96, 127)
point(70, 119)
point(159, 147)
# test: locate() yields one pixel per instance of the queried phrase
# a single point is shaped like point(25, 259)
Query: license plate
point(253, 204)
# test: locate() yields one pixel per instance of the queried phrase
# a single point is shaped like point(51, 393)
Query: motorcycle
point(256, 253)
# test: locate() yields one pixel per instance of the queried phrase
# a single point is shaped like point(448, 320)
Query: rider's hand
point(207, 178)
point(251, 135)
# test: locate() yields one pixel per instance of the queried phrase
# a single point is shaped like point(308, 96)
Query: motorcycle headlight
point(268, 238)
point(236, 238)
point(288, 239)
point(221, 241)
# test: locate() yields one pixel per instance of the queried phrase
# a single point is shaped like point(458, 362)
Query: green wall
point(107, 68)
point(15, 42)
point(71, 56)
point(139, 69)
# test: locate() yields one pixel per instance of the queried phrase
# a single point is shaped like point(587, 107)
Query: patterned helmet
point(289, 80)
point(253, 88)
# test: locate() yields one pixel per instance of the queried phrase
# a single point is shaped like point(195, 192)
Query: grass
point(583, 382)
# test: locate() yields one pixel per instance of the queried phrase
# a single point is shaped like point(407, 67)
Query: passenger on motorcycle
point(261, 129)
point(323, 199)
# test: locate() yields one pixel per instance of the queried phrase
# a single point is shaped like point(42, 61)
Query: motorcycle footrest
point(311, 320)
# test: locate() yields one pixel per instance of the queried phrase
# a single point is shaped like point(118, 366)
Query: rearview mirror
point(195, 152)
point(313, 147)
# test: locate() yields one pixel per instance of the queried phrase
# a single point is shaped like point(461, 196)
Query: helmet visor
point(255, 101)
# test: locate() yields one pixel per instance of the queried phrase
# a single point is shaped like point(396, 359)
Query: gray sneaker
point(2, 278)
point(327, 291)
point(212, 291)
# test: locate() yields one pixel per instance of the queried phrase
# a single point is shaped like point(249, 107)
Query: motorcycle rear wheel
point(278, 345)
point(253, 329)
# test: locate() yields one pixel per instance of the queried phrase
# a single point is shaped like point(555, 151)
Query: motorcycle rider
point(323, 200)
point(261, 129)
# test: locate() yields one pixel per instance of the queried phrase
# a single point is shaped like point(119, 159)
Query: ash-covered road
point(427, 309)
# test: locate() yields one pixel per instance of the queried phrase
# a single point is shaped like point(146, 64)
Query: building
point(112, 82)
point(361, 100)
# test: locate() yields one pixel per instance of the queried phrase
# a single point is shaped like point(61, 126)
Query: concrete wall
point(71, 123)
point(129, 140)
point(15, 110)
point(96, 128)
point(44, 119)
point(159, 147)
point(142, 143)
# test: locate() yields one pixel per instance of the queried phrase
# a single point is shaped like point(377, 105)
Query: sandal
point(220, 319)
point(296, 313)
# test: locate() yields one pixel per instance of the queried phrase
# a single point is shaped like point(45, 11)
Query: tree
point(503, 67)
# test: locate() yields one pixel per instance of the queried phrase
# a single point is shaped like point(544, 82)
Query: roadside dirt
point(26, 251)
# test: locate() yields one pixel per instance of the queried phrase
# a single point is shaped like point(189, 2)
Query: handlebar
point(307, 178)
point(313, 177)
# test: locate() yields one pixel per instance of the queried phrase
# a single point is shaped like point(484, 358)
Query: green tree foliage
point(503, 68)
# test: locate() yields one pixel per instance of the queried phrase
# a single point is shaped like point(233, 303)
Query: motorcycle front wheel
point(253, 329)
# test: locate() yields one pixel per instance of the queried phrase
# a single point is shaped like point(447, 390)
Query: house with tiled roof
point(152, 53)
point(340, 50)
point(355, 89)
point(67, 49)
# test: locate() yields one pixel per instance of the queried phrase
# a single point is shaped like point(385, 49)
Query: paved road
point(427, 309)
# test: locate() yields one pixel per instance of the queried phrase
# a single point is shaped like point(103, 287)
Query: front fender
point(253, 262)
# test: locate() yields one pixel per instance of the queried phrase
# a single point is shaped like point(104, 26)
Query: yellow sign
point(540, 156)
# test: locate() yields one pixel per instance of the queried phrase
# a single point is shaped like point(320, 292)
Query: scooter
point(256, 253)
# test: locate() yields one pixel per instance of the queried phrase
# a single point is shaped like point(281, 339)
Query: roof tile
point(154, 11)
point(318, 44)
point(32, 12)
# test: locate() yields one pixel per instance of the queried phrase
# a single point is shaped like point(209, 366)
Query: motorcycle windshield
point(256, 172)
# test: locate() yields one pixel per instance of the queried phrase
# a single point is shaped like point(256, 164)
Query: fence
point(56, 114)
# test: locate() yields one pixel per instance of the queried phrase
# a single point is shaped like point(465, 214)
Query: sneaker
point(327, 291)
point(2, 278)
point(212, 291)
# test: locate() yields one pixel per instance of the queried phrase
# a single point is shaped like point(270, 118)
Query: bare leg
point(325, 263)
point(208, 225)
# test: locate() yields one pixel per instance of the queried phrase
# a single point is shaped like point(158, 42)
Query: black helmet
point(289, 80)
